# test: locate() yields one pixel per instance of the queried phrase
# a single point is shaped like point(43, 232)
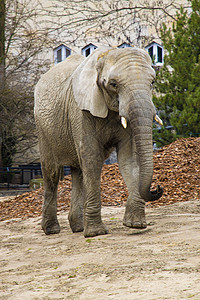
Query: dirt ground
point(160, 262)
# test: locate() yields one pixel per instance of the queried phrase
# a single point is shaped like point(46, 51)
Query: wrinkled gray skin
point(78, 108)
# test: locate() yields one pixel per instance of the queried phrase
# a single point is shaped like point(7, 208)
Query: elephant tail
point(61, 173)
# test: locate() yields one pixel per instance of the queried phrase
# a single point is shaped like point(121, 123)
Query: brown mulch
point(176, 169)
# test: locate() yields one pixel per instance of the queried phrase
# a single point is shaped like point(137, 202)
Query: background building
point(39, 34)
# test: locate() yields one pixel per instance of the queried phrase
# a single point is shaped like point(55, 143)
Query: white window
point(87, 50)
point(60, 53)
point(156, 51)
point(124, 45)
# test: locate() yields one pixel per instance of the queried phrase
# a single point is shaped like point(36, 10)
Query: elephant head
point(121, 81)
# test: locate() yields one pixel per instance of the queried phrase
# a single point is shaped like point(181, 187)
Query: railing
point(9, 172)
point(28, 171)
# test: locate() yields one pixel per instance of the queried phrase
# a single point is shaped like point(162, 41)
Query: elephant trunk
point(141, 115)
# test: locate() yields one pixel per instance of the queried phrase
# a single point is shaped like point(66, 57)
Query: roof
point(153, 42)
point(124, 44)
point(61, 46)
point(90, 44)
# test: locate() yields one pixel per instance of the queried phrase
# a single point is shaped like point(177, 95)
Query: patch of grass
point(191, 296)
point(72, 276)
point(88, 240)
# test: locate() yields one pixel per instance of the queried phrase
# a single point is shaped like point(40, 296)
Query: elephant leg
point(92, 165)
point(128, 164)
point(93, 224)
point(92, 158)
point(50, 223)
point(76, 208)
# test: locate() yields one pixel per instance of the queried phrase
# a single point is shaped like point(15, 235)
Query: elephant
point(84, 108)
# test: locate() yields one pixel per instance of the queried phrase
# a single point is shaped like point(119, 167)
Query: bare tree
point(113, 21)
point(21, 42)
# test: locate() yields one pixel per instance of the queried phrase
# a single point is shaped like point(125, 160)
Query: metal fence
point(20, 175)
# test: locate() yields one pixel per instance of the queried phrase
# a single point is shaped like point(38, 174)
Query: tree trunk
point(2, 44)
point(2, 65)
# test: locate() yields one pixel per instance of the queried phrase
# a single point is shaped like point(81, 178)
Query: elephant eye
point(113, 84)
point(152, 84)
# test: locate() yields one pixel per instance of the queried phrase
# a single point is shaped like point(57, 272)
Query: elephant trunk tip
point(155, 194)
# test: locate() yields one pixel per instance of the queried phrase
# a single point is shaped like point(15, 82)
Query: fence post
point(7, 175)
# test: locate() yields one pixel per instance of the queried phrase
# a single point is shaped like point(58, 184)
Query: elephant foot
point(51, 227)
point(76, 227)
point(134, 222)
point(94, 230)
point(135, 214)
point(75, 222)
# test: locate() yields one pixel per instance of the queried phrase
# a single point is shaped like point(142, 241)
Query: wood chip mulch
point(176, 169)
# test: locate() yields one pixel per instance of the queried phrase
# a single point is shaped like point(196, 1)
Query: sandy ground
point(160, 262)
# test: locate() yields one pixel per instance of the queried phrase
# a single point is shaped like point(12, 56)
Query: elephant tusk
point(124, 122)
point(158, 120)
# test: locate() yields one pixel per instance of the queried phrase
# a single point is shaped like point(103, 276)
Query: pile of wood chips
point(176, 169)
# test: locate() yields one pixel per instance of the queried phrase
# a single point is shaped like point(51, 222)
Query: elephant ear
point(87, 94)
